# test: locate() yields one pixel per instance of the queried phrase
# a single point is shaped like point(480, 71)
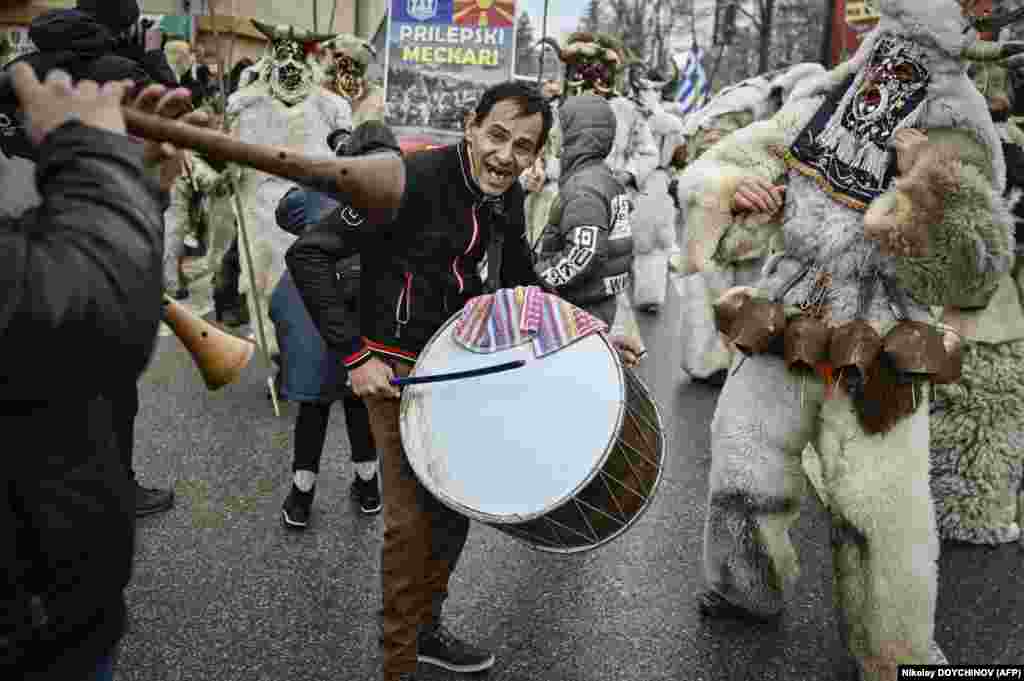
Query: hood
point(69, 30)
point(371, 137)
point(117, 15)
point(588, 130)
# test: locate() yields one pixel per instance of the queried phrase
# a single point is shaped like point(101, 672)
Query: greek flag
point(694, 85)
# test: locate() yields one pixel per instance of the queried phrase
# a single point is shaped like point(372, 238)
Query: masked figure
point(285, 106)
point(348, 60)
point(705, 357)
point(838, 335)
point(978, 424)
point(595, 63)
point(200, 204)
point(654, 236)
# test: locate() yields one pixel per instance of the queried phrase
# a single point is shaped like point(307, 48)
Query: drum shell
point(607, 499)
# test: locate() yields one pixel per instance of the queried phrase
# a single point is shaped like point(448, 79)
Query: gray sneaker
point(441, 648)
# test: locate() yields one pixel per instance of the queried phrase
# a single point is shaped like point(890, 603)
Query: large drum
point(564, 453)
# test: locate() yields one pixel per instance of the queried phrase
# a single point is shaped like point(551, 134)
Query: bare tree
point(649, 29)
point(593, 19)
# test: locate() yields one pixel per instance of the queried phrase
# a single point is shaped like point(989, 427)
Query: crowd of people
point(845, 238)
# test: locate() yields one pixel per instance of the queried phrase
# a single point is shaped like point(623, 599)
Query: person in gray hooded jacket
point(585, 253)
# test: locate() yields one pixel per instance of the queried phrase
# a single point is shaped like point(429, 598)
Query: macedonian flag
point(490, 13)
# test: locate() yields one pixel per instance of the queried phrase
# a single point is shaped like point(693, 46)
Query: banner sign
point(442, 54)
point(862, 15)
point(179, 26)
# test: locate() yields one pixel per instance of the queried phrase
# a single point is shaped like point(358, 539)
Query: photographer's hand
point(176, 104)
point(57, 100)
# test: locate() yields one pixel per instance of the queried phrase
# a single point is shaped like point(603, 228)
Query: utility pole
point(543, 47)
point(827, 34)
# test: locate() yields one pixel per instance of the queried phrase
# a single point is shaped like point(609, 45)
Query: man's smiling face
point(502, 146)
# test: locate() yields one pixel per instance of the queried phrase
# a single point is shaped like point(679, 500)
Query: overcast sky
point(564, 16)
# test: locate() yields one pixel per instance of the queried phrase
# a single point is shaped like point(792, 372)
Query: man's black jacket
point(420, 269)
point(80, 292)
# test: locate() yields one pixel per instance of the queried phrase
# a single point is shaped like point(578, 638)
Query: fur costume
point(655, 213)
point(349, 58)
point(978, 424)
point(704, 354)
point(869, 246)
point(200, 201)
point(286, 106)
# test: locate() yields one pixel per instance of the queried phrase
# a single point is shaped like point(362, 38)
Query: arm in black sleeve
point(81, 276)
point(312, 261)
point(154, 63)
point(583, 229)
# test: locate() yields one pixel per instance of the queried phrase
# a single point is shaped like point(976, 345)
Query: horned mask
point(290, 69)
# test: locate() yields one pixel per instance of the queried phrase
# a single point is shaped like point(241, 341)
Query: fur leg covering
point(757, 483)
point(978, 447)
point(221, 223)
point(885, 544)
point(650, 279)
point(704, 352)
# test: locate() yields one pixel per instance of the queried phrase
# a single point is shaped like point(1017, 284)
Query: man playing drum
point(459, 233)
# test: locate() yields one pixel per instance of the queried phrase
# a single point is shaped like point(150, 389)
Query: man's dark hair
point(526, 95)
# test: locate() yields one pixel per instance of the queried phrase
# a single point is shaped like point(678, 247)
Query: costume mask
point(593, 64)
point(846, 143)
point(290, 67)
point(350, 77)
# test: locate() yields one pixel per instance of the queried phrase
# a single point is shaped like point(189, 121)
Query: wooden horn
point(372, 184)
point(219, 356)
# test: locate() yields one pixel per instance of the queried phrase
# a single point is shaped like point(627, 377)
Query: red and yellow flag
point(489, 13)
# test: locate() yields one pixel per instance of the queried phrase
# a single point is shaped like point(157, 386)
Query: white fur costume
point(260, 116)
point(875, 484)
point(703, 352)
point(654, 218)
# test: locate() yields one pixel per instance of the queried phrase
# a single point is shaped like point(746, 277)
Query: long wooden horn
point(372, 184)
point(219, 356)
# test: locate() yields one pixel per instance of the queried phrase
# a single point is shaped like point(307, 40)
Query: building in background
point(238, 37)
point(851, 20)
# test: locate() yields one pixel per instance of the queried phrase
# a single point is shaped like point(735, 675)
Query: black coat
point(420, 269)
point(80, 291)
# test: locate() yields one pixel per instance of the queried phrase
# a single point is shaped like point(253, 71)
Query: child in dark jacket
point(311, 373)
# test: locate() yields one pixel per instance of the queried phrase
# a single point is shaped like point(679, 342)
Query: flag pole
point(543, 46)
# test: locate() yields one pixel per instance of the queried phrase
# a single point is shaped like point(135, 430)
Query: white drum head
point(510, 446)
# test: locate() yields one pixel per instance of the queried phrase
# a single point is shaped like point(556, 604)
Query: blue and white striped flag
point(693, 85)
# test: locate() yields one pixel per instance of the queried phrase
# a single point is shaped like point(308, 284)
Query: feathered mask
point(593, 63)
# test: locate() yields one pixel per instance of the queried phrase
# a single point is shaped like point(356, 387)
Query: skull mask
point(288, 72)
point(350, 77)
point(895, 80)
point(290, 67)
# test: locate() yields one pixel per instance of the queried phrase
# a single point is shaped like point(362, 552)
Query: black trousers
point(311, 431)
point(124, 407)
point(225, 282)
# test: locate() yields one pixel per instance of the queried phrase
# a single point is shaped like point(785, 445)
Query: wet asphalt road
point(222, 592)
